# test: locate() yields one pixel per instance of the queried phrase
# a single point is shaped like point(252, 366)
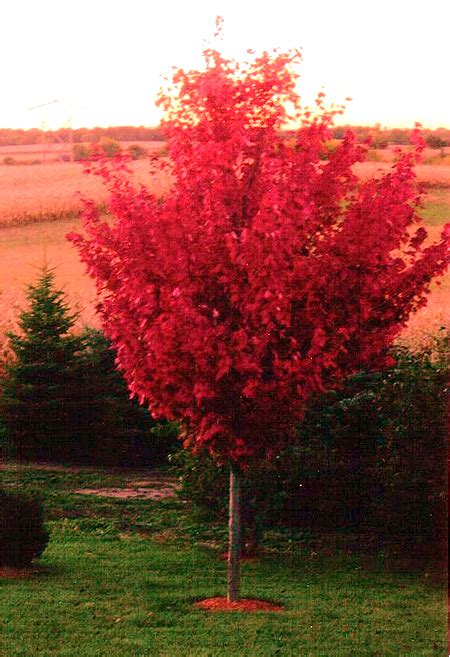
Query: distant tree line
point(381, 137)
point(18, 137)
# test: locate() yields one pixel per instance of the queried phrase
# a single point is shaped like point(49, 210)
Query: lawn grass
point(436, 211)
point(119, 579)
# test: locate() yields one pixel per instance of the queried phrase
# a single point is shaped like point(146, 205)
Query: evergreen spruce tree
point(64, 400)
point(38, 406)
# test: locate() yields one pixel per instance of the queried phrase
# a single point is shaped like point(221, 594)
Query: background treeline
point(17, 137)
point(381, 137)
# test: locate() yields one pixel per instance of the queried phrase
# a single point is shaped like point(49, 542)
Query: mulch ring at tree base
point(246, 604)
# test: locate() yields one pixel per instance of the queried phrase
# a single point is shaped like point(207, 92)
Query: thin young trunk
point(234, 548)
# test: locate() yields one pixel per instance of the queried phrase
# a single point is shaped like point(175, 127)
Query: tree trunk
point(234, 545)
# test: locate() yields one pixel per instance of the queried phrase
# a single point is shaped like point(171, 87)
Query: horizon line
point(376, 125)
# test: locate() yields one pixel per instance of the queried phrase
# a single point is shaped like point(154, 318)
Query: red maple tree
point(268, 274)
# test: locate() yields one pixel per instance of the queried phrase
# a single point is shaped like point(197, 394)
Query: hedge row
point(370, 458)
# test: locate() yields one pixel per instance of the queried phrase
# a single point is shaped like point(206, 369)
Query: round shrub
point(23, 536)
point(110, 147)
point(137, 152)
point(80, 152)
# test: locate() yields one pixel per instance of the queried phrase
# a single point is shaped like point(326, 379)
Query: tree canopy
point(267, 274)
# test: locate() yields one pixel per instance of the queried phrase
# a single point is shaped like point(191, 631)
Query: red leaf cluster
point(267, 275)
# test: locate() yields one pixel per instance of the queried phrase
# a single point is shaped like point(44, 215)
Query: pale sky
point(103, 59)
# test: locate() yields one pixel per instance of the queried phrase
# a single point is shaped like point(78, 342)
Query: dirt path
point(142, 484)
point(147, 492)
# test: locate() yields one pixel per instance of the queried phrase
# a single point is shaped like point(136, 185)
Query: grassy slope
point(119, 577)
point(437, 207)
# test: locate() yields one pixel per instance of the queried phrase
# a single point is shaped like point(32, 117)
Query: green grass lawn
point(436, 211)
point(119, 579)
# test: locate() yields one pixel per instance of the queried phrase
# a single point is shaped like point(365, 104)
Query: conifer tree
point(62, 396)
point(38, 405)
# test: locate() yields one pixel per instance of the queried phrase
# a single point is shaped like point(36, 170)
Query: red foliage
point(267, 274)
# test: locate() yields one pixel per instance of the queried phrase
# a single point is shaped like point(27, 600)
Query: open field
point(120, 576)
point(24, 250)
point(39, 205)
point(55, 188)
point(430, 174)
point(49, 151)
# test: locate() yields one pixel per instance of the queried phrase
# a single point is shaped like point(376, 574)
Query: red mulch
point(246, 604)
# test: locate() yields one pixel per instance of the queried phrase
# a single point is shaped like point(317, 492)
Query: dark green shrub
point(412, 452)
point(370, 458)
point(23, 536)
point(205, 485)
point(384, 470)
point(112, 429)
point(161, 440)
point(314, 484)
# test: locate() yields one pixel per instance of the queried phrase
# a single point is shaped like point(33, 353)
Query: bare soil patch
point(165, 491)
point(157, 487)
